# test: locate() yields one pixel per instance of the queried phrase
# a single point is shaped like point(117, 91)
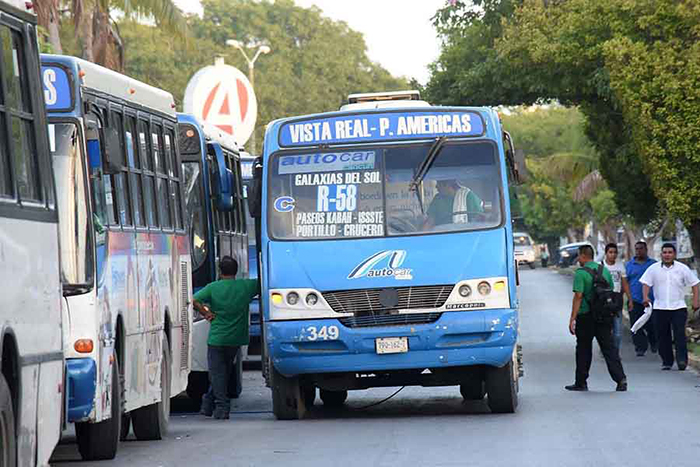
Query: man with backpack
point(592, 313)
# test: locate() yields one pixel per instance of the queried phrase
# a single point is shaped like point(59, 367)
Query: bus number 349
point(324, 333)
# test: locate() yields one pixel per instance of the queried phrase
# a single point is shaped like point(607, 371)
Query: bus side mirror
point(111, 161)
point(222, 179)
point(255, 191)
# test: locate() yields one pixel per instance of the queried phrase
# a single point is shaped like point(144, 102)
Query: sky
point(398, 33)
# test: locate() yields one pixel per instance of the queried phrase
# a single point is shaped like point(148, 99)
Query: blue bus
point(387, 252)
point(125, 258)
point(217, 225)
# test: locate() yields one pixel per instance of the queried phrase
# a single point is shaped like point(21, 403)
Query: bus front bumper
point(81, 376)
point(486, 337)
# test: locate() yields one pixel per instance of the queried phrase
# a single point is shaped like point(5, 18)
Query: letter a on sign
point(222, 96)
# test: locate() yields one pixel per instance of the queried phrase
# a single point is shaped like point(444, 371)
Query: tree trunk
point(85, 35)
point(694, 233)
point(49, 18)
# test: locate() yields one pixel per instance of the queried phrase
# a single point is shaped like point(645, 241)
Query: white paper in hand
point(642, 319)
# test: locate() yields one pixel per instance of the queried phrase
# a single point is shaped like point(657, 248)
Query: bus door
point(95, 146)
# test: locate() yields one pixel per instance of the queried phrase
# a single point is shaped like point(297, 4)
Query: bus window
point(195, 212)
point(134, 182)
point(18, 109)
point(175, 200)
point(5, 181)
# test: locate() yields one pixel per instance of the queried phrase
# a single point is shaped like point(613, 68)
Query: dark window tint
point(123, 206)
point(137, 198)
point(156, 136)
point(14, 70)
point(163, 205)
point(5, 179)
point(176, 204)
point(170, 154)
point(144, 150)
point(149, 204)
point(25, 158)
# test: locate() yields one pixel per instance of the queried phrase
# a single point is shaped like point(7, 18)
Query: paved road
point(656, 423)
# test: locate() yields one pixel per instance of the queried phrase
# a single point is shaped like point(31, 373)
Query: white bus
point(125, 254)
point(214, 206)
point(31, 348)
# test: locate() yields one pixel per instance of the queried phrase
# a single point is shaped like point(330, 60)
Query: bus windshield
point(367, 193)
point(195, 210)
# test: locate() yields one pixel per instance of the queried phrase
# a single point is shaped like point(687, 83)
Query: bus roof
point(115, 84)
point(211, 132)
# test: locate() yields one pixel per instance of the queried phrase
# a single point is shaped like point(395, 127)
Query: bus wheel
point(99, 441)
point(288, 401)
point(151, 422)
point(197, 386)
point(474, 390)
point(8, 442)
point(309, 395)
point(502, 389)
point(333, 398)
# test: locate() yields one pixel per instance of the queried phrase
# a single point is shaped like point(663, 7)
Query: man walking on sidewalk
point(669, 280)
point(646, 337)
point(619, 277)
point(585, 326)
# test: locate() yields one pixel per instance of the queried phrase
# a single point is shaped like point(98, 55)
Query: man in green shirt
point(441, 209)
point(224, 304)
point(583, 325)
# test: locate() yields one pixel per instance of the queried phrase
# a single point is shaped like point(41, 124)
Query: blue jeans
point(220, 367)
point(617, 331)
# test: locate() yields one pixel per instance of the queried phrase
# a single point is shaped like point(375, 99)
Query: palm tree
point(95, 29)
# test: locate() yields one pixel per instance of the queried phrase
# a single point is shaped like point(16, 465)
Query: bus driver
point(452, 204)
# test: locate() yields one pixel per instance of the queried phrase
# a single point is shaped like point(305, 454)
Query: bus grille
point(366, 301)
point(389, 320)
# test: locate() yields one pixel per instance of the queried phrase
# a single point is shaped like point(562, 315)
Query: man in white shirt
point(619, 276)
point(669, 278)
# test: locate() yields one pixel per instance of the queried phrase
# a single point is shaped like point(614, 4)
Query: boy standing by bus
point(224, 304)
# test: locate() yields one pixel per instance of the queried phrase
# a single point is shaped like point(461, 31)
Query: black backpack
point(605, 304)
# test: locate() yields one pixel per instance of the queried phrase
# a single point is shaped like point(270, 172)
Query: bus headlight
point(311, 299)
point(465, 291)
point(292, 298)
point(484, 288)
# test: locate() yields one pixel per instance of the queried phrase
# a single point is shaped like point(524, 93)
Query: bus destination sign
point(389, 126)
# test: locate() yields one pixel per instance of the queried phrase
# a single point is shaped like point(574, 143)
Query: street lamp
point(262, 49)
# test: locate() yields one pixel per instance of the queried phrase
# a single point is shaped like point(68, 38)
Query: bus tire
point(502, 389)
point(99, 441)
point(531, 265)
point(151, 422)
point(8, 440)
point(333, 398)
point(288, 401)
point(474, 390)
point(197, 386)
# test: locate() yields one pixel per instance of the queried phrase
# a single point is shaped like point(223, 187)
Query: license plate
point(386, 345)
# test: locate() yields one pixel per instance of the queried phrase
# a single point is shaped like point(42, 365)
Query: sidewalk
point(693, 360)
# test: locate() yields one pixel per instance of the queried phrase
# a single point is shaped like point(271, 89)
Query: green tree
point(94, 34)
point(515, 51)
point(315, 61)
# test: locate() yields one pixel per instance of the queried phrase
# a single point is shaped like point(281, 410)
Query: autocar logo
point(394, 260)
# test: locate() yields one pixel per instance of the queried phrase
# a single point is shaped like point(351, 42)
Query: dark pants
point(220, 368)
point(666, 321)
point(647, 336)
point(586, 329)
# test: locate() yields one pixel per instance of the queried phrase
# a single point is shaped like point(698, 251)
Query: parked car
point(524, 249)
point(568, 254)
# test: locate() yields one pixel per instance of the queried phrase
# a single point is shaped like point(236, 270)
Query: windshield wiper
point(424, 167)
